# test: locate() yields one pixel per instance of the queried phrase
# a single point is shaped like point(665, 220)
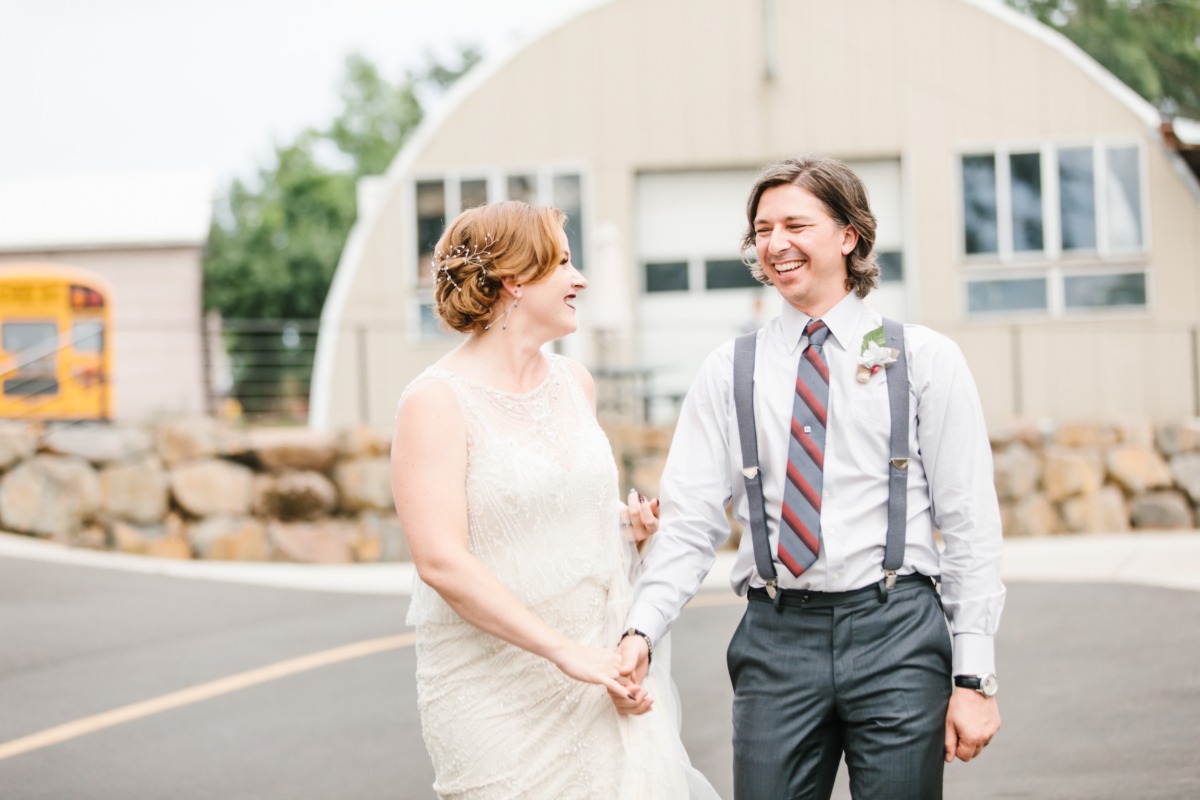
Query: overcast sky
point(119, 85)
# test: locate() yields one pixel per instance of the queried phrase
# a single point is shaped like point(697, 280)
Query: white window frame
point(1053, 263)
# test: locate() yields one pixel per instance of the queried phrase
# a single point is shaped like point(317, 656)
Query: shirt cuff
point(648, 620)
point(974, 654)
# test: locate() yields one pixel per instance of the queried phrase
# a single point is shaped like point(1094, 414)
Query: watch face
point(989, 685)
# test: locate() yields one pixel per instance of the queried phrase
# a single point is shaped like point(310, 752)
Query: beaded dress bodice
point(541, 488)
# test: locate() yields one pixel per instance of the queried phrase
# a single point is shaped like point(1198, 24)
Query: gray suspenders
point(743, 398)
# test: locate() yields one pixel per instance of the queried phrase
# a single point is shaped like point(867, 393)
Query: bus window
point(34, 345)
point(87, 337)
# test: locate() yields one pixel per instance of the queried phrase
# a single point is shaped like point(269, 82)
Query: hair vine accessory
point(470, 255)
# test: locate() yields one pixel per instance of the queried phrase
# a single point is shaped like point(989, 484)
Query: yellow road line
point(195, 694)
point(244, 680)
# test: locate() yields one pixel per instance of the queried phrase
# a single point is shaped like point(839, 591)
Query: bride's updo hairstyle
point(485, 245)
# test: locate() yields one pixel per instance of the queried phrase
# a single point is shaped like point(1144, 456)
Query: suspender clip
point(772, 588)
point(889, 582)
point(900, 463)
point(750, 472)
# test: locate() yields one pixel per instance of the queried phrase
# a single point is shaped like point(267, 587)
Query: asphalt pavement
point(140, 679)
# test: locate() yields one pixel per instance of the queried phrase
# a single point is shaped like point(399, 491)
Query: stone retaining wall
point(199, 489)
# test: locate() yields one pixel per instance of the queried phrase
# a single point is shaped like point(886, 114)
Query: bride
point(507, 491)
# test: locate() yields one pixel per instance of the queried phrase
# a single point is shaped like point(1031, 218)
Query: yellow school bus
point(55, 349)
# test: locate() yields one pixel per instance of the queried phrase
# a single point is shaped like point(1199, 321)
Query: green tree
point(274, 244)
point(1151, 45)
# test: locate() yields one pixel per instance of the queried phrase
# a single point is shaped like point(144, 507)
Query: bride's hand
point(640, 518)
point(591, 665)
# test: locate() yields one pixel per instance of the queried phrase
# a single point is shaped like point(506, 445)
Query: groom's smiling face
point(801, 248)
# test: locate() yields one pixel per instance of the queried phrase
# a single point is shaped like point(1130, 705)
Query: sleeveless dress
point(544, 516)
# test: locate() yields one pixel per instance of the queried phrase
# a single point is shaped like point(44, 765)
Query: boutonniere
point(875, 355)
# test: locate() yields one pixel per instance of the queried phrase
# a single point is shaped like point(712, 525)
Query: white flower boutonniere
point(874, 355)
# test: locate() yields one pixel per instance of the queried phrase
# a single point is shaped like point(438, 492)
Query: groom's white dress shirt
point(950, 484)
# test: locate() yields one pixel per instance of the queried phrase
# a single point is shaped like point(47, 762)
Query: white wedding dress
point(544, 517)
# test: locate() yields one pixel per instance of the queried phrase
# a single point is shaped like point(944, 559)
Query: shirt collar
point(843, 320)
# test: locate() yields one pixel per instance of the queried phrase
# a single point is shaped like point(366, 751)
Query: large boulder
point(1032, 516)
point(362, 441)
point(165, 540)
point(212, 487)
point(1069, 471)
point(136, 491)
point(365, 484)
point(185, 440)
point(230, 539)
point(1017, 471)
point(295, 496)
point(328, 542)
point(1178, 437)
point(1161, 510)
point(381, 538)
point(49, 495)
point(1082, 434)
point(18, 442)
point(282, 449)
point(1138, 468)
point(98, 444)
point(1185, 469)
point(1102, 512)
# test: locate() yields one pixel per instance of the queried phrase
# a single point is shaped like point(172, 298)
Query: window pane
point(979, 203)
point(522, 187)
point(431, 325)
point(668, 276)
point(891, 265)
point(1124, 199)
point(1077, 198)
point(19, 337)
point(1015, 295)
point(87, 337)
point(568, 196)
point(431, 220)
point(1098, 291)
point(1025, 170)
point(27, 387)
point(728, 274)
point(472, 193)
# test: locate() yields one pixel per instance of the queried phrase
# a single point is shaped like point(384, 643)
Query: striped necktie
point(800, 526)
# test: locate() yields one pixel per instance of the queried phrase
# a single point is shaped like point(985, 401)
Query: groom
point(843, 648)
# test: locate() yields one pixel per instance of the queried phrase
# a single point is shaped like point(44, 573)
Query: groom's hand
point(635, 658)
point(971, 722)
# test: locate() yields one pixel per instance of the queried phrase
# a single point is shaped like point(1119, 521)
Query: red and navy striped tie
point(800, 523)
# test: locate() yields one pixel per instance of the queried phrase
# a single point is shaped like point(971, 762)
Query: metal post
point(1195, 371)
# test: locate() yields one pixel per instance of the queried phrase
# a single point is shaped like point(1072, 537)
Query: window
point(34, 346)
point(472, 193)
point(1006, 295)
point(1105, 291)
point(431, 220)
point(728, 274)
point(1062, 216)
point(891, 265)
point(667, 276)
point(523, 188)
point(87, 337)
point(568, 196)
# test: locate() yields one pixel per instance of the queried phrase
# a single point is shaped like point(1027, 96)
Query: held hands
point(640, 518)
point(592, 665)
point(634, 664)
point(971, 722)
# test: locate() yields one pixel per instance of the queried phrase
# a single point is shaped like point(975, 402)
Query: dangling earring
point(503, 317)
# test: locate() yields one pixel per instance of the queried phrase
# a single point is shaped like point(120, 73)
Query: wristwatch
point(986, 685)
point(649, 644)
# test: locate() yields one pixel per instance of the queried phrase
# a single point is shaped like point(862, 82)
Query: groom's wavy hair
point(845, 199)
point(483, 246)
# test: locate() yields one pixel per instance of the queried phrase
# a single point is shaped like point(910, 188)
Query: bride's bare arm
point(429, 465)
